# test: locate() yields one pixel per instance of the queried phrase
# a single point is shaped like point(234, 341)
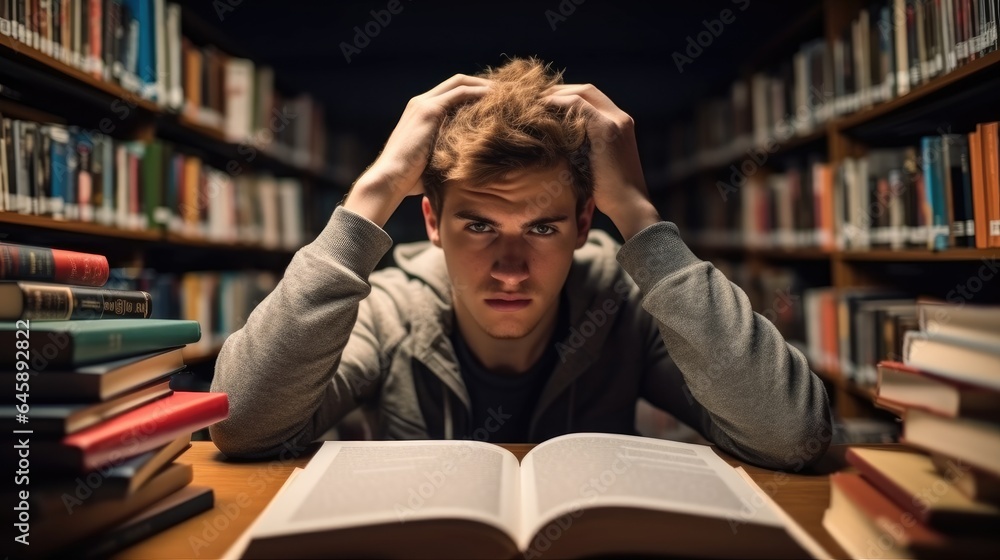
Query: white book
point(574, 495)
point(239, 83)
point(979, 323)
point(290, 193)
point(175, 91)
point(268, 211)
point(975, 360)
point(160, 51)
point(5, 27)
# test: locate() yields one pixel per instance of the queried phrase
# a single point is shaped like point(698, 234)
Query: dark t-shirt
point(502, 405)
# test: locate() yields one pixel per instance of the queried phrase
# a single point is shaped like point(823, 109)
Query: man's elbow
point(795, 447)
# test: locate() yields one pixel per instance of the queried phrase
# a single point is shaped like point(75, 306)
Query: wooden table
point(242, 489)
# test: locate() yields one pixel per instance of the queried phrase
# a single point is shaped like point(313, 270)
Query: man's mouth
point(505, 303)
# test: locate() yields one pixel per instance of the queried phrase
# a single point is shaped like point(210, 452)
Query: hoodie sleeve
point(736, 380)
point(306, 356)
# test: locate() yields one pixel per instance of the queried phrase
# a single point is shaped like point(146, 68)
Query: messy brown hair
point(510, 129)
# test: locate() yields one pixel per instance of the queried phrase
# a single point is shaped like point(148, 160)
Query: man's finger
point(456, 81)
point(596, 97)
point(460, 94)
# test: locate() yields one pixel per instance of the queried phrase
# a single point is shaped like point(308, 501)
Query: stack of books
point(94, 424)
point(940, 493)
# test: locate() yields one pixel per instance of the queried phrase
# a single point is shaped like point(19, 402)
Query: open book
point(574, 495)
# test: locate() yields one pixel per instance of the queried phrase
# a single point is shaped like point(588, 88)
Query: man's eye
point(543, 229)
point(478, 227)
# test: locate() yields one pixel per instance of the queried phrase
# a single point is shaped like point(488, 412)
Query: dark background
point(623, 47)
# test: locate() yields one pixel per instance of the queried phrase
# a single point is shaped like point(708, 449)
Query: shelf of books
point(850, 184)
point(126, 129)
point(130, 124)
point(847, 175)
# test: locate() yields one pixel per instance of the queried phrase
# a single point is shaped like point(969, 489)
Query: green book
point(50, 344)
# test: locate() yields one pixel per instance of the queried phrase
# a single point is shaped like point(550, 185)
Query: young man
point(515, 322)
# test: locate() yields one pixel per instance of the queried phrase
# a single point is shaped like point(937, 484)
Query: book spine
point(94, 346)
point(44, 302)
point(22, 262)
point(161, 422)
point(118, 539)
point(991, 174)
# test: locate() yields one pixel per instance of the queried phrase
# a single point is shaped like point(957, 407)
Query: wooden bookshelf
point(859, 255)
point(814, 140)
point(914, 255)
point(159, 120)
point(40, 88)
point(15, 50)
point(86, 228)
point(966, 73)
point(236, 246)
point(954, 100)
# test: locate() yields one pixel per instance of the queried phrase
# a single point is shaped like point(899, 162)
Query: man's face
point(508, 248)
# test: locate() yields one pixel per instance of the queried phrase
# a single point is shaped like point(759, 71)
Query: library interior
point(220, 279)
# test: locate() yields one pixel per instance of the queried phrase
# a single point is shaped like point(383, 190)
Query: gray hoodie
point(648, 319)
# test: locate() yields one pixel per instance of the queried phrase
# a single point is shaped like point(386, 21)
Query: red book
point(23, 262)
point(911, 480)
point(134, 432)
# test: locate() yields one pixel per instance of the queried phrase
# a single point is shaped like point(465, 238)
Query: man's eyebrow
point(472, 215)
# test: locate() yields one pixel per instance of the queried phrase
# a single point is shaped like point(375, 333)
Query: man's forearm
point(276, 368)
point(373, 198)
point(633, 216)
point(758, 390)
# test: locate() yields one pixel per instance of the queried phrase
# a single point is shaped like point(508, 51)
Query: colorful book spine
point(77, 343)
point(53, 302)
point(931, 148)
point(24, 262)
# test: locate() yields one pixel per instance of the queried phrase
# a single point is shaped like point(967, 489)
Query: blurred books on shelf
point(849, 331)
point(143, 47)
point(889, 48)
point(219, 301)
point(940, 194)
point(68, 173)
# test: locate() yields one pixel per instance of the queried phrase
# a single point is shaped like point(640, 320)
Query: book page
point(576, 471)
point(353, 483)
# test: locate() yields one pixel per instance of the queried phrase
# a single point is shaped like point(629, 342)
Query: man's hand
point(397, 170)
point(619, 186)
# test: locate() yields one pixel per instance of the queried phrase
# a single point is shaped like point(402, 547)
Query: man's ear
point(431, 222)
point(583, 222)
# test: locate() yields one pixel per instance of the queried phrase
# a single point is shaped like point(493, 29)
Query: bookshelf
point(693, 190)
point(39, 85)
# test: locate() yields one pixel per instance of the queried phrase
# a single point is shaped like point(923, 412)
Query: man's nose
point(511, 265)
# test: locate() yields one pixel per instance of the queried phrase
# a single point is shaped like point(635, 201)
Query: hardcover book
point(37, 301)
point(901, 386)
point(62, 531)
point(129, 434)
point(59, 344)
point(57, 420)
point(42, 264)
point(103, 381)
point(911, 480)
point(867, 524)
